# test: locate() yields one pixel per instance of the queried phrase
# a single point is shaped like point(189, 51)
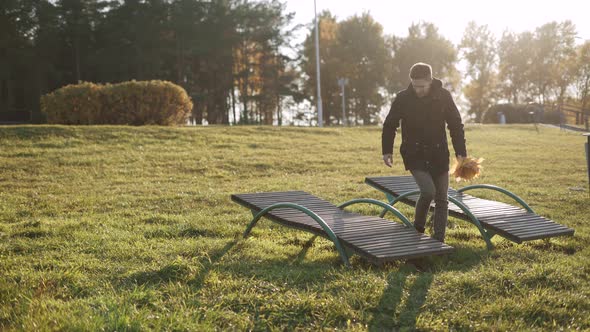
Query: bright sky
point(451, 16)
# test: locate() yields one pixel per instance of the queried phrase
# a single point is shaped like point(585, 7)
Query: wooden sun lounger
point(491, 217)
point(374, 238)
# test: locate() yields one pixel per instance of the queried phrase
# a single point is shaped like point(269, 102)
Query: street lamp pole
point(317, 56)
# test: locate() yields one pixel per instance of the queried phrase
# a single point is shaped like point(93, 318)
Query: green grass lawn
point(125, 228)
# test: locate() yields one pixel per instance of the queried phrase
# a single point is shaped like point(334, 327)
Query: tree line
point(227, 54)
point(238, 61)
point(545, 66)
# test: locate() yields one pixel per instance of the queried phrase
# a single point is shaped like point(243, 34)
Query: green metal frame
point(487, 235)
point(502, 190)
point(392, 199)
point(386, 207)
point(314, 216)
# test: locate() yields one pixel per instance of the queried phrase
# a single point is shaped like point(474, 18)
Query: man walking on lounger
point(424, 108)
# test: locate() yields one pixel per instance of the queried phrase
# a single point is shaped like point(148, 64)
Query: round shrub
point(128, 103)
point(75, 104)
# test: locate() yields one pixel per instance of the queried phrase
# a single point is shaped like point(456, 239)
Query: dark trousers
point(432, 188)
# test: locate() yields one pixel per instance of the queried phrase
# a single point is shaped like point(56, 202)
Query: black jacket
point(424, 139)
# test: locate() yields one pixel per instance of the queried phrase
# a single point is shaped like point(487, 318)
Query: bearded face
point(421, 86)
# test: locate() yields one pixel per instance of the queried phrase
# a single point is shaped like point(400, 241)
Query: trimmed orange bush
point(127, 103)
point(73, 104)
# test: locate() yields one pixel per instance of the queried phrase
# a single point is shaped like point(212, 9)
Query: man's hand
point(388, 159)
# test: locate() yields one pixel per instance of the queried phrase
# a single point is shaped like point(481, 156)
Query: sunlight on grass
point(126, 228)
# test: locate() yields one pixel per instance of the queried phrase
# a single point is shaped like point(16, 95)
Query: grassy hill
point(125, 228)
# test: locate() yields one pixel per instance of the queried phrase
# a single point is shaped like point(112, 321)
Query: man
point(424, 108)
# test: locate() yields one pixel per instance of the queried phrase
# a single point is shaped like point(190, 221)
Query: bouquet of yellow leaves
point(466, 168)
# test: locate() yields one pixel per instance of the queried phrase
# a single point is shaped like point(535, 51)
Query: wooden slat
point(335, 221)
point(531, 237)
point(286, 199)
point(352, 231)
point(537, 230)
point(368, 242)
point(512, 219)
point(393, 242)
point(367, 239)
point(523, 231)
point(501, 217)
point(405, 251)
point(426, 246)
point(527, 225)
point(542, 234)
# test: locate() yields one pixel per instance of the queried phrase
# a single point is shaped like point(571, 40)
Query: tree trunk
point(366, 115)
point(245, 80)
point(3, 95)
point(245, 100)
point(197, 114)
point(233, 101)
point(77, 60)
point(212, 103)
point(180, 63)
point(584, 102)
point(279, 112)
point(224, 112)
